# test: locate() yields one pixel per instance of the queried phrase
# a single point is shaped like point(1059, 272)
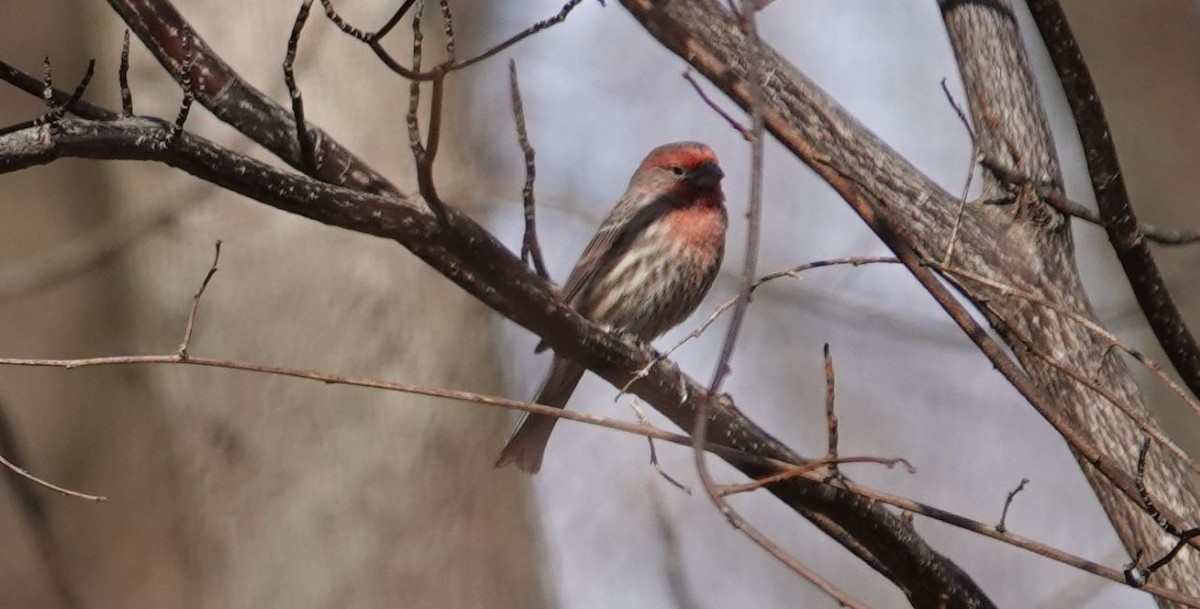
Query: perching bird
point(646, 270)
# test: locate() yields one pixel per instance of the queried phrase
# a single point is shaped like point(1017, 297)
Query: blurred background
point(233, 490)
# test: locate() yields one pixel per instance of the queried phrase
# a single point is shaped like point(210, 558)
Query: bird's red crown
point(688, 155)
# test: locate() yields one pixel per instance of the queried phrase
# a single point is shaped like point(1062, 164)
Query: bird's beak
point(708, 174)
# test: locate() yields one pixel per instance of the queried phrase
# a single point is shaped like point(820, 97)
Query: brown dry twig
point(733, 122)
point(531, 250)
point(1008, 503)
point(1139, 576)
point(308, 155)
point(123, 78)
point(831, 421)
point(185, 83)
point(810, 467)
point(641, 416)
point(182, 351)
point(373, 40)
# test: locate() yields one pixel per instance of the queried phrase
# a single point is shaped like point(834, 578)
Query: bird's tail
point(528, 442)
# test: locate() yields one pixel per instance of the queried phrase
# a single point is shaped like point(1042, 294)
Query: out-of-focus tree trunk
point(233, 490)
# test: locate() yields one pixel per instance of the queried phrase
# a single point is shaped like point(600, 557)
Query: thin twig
point(812, 466)
point(1008, 503)
point(439, 71)
point(831, 421)
point(50, 485)
point(1155, 234)
point(733, 122)
point(123, 77)
point(435, 392)
point(185, 83)
point(962, 200)
point(307, 151)
point(641, 416)
point(34, 86)
point(30, 502)
point(191, 320)
point(55, 109)
point(530, 248)
point(792, 272)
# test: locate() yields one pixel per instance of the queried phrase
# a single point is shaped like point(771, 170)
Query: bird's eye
point(677, 170)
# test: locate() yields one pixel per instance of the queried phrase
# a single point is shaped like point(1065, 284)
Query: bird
point(647, 268)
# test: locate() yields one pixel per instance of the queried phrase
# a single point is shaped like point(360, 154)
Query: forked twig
point(414, 73)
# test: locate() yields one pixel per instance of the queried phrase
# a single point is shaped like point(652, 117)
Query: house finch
point(646, 269)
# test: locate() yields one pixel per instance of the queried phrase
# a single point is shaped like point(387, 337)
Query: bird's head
point(681, 168)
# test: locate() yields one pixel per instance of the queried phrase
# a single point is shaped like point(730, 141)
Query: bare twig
point(470, 397)
point(733, 122)
point(962, 200)
point(185, 83)
point(191, 320)
point(123, 77)
point(831, 421)
point(1134, 575)
point(641, 416)
point(1008, 503)
point(1155, 234)
point(50, 485)
point(530, 248)
point(793, 272)
point(31, 503)
point(439, 71)
point(56, 107)
point(308, 155)
point(810, 467)
point(231, 99)
point(35, 87)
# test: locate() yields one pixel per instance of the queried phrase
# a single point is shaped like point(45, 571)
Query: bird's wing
point(605, 245)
